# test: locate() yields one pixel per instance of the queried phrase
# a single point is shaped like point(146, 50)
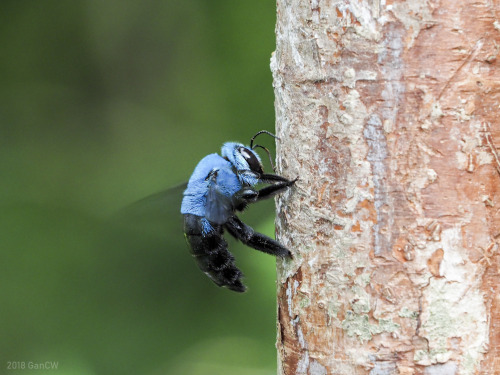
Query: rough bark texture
point(388, 112)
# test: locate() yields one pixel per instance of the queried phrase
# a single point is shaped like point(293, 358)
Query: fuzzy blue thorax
point(194, 201)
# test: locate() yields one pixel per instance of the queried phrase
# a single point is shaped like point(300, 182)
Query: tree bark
point(387, 111)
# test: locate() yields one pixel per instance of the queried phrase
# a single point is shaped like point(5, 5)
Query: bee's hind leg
point(256, 240)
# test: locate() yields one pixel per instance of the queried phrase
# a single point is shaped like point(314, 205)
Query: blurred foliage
point(103, 103)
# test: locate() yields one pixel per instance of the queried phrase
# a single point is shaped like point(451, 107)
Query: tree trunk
point(387, 111)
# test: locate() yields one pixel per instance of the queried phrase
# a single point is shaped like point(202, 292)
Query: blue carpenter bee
point(219, 186)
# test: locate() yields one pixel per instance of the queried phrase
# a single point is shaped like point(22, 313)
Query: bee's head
point(244, 157)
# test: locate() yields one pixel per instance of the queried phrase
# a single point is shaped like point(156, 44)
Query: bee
point(220, 186)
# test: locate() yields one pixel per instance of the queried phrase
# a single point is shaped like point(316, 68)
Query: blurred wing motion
point(158, 214)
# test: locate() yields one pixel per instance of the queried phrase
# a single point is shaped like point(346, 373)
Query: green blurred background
point(101, 104)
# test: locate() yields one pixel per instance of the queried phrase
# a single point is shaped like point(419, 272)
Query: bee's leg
point(243, 197)
point(246, 194)
point(256, 240)
point(249, 195)
point(272, 190)
point(211, 254)
point(272, 178)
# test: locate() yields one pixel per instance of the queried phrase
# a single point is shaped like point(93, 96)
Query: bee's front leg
point(243, 197)
point(270, 191)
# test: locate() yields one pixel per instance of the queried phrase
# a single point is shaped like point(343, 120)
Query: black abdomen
point(211, 254)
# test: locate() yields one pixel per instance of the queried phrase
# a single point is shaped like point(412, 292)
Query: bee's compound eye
point(250, 158)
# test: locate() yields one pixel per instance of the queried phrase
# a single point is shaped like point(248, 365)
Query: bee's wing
point(219, 207)
point(157, 213)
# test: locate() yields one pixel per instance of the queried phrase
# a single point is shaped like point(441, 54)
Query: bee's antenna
point(262, 131)
point(268, 154)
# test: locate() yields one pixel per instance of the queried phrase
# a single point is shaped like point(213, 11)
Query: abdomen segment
point(210, 251)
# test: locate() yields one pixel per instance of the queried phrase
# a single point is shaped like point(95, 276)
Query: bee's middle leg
point(256, 240)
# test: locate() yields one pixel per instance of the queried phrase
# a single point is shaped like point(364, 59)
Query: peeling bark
point(388, 113)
